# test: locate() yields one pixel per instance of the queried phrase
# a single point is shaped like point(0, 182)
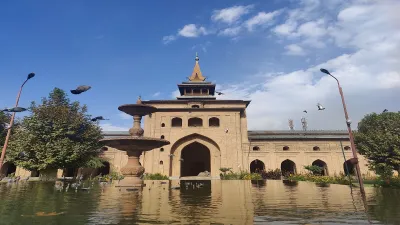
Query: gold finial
point(196, 74)
point(139, 101)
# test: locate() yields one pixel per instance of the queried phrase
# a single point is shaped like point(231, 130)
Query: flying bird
point(320, 107)
point(98, 118)
point(219, 93)
point(385, 110)
point(80, 89)
point(305, 111)
point(15, 109)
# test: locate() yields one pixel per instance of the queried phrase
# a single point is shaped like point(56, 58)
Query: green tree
point(57, 134)
point(378, 139)
point(4, 119)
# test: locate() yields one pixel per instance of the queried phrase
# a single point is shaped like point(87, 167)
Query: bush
point(242, 175)
point(156, 176)
point(272, 174)
point(109, 177)
point(319, 179)
point(314, 169)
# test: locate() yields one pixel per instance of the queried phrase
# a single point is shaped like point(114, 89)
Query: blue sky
point(266, 51)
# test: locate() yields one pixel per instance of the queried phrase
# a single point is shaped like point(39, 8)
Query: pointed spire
point(196, 74)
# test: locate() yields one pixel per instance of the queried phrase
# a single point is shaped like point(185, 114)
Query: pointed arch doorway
point(195, 158)
point(193, 154)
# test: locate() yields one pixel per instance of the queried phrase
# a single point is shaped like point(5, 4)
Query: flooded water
point(197, 202)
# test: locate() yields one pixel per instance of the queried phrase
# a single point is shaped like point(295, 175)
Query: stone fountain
point(135, 144)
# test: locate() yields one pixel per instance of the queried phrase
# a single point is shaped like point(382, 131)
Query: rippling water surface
point(197, 202)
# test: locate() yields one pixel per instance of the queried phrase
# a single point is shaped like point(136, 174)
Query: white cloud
point(369, 74)
point(285, 28)
point(110, 127)
point(168, 39)
point(231, 14)
point(230, 31)
point(175, 94)
point(191, 31)
point(156, 94)
point(294, 49)
point(260, 19)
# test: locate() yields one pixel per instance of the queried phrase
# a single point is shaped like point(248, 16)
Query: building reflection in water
point(226, 202)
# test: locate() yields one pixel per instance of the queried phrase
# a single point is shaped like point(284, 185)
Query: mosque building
point(207, 134)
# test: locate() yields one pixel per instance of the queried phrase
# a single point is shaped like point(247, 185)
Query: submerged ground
point(196, 202)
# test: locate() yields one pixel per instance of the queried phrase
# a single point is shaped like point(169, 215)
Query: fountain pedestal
point(134, 145)
point(132, 171)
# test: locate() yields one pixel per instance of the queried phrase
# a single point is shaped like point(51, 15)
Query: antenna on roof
point(291, 125)
point(304, 123)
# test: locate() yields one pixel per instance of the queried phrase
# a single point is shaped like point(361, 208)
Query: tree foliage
point(378, 139)
point(57, 134)
point(4, 119)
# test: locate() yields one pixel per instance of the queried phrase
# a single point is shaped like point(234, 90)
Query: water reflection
point(196, 202)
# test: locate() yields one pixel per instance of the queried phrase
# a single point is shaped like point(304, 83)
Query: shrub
point(109, 177)
point(155, 176)
point(314, 169)
point(242, 175)
point(272, 174)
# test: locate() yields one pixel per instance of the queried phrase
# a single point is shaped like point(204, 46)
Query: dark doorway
point(288, 167)
point(69, 172)
point(323, 165)
point(350, 168)
point(256, 166)
point(195, 158)
point(35, 173)
point(9, 168)
point(105, 169)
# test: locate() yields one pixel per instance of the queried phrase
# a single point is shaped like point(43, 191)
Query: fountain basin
point(137, 109)
point(134, 146)
point(134, 143)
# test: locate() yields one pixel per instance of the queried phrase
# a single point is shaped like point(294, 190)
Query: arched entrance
point(7, 169)
point(105, 169)
point(323, 165)
point(190, 149)
point(195, 158)
point(288, 167)
point(256, 166)
point(348, 168)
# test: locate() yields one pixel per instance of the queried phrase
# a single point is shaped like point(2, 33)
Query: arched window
point(257, 166)
point(285, 148)
point(163, 125)
point(256, 148)
point(347, 148)
point(162, 137)
point(288, 167)
point(161, 149)
point(316, 148)
point(161, 162)
point(322, 165)
point(195, 122)
point(195, 106)
point(213, 122)
point(176, 122)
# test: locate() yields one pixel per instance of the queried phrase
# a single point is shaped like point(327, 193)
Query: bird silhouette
point(320, 107)
point(98, 118)
point(385, 110)
point(305, 111)
point(15, 109)
point(219, 93)
point(80, 89)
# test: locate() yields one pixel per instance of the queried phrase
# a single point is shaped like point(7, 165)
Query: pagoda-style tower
point(196, 88)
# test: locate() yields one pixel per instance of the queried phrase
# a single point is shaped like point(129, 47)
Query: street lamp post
point(348, 122)
point(3, 152)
